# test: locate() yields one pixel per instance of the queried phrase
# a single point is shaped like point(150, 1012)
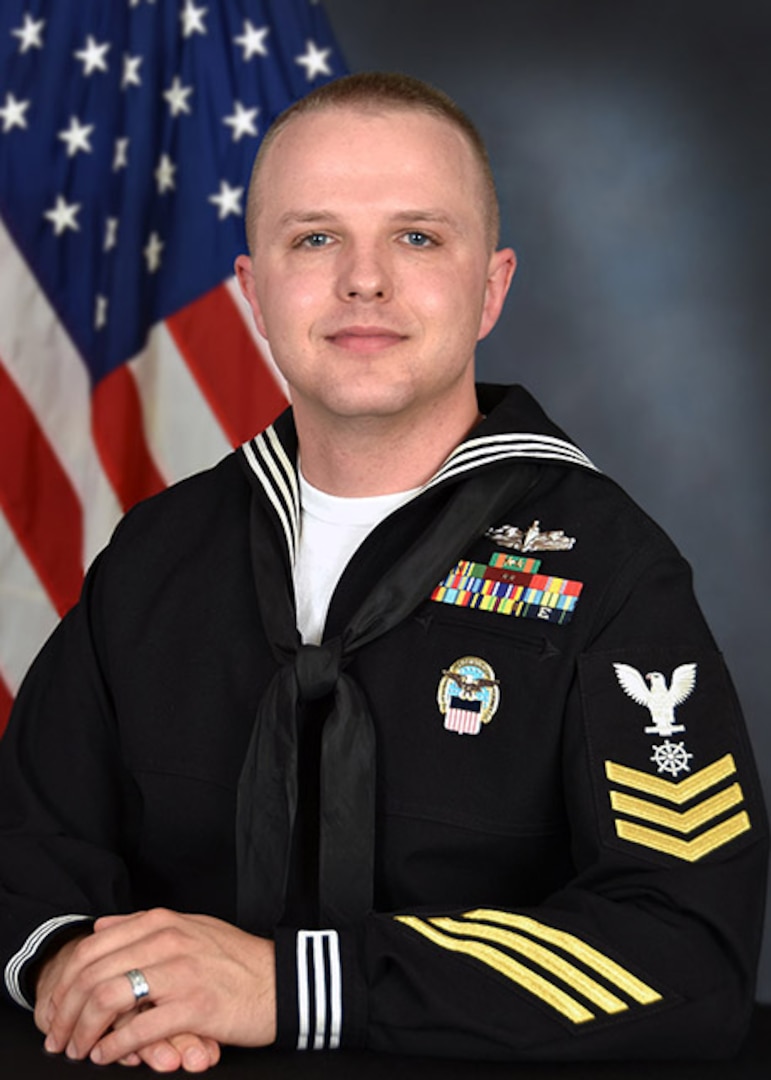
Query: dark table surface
point(22, 1058)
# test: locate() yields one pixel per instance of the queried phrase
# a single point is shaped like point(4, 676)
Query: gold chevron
point(554, 964)
point(505, 965)
point(680, 821)
point(602, 964)
point(689, 850)
point(679, 791)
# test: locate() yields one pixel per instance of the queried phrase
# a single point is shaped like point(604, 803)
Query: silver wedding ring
point(139, 986)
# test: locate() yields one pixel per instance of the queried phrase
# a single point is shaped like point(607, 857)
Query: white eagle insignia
point(660, 699)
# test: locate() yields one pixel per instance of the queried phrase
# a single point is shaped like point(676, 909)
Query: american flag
point(127, 358)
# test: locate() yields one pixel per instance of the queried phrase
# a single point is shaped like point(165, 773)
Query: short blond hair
point(376, 91)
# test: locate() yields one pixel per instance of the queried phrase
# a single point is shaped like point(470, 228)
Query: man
point(494, 800)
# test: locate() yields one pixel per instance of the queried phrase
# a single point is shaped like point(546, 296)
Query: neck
point(362, 456)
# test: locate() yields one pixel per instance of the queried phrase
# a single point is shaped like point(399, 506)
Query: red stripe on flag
point(40, 503)
point(118, 429)
point(6, 701)
point(227, 365)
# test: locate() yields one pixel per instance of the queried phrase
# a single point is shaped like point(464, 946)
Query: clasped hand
point(210, 984)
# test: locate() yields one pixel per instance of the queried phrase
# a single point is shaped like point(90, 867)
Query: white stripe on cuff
point(28, 950)
point(319, 990)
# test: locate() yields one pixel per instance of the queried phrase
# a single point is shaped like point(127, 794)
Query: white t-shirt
point(331, 529)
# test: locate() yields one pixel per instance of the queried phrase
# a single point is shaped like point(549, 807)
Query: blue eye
point(316, 240)
point(415, 238)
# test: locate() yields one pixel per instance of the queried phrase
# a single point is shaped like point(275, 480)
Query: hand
point(186, 1051)
point(206, 977)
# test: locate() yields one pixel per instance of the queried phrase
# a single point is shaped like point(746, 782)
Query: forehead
point(368, 152)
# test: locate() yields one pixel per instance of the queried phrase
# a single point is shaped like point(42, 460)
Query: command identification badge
point(468, 695)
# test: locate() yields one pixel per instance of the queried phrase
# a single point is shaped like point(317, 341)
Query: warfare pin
point(531, 539)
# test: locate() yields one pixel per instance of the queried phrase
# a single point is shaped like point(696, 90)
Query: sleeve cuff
point(318, 1005)
point(32, 951)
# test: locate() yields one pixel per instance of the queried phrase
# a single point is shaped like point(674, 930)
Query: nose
point(364, 273)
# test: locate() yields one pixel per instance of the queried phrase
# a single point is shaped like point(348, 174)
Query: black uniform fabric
point(569, 839)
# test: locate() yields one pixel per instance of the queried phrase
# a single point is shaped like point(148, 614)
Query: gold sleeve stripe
point(680, 821)
point(504, 965)
point(554, 964)
point(602, 964)
point(673, 791)
point(689, 850)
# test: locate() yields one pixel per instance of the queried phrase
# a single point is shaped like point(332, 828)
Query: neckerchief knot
point(317, 669)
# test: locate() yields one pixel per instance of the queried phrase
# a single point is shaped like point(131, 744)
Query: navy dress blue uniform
point(568, 846)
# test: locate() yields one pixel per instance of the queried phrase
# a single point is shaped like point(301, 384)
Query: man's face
point(372, 276)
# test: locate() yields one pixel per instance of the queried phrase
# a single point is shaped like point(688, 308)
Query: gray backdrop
point(632, 146)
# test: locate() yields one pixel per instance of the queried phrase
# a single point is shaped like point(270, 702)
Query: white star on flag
point(30, 34)
point(120, 154)
point(12, 113)
point(253, 40)
point(92, 55)
point(100, 313)
point(314, 60)
point(242, 121)
point(228, 200)
point(192, 19)
point(164, 174)
point(177, 96)
point(152, 252)
point(62, 216)
point(76, 137)
point(110, 233)
point(130, 71)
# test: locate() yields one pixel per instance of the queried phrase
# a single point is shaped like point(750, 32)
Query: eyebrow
point(328, 217)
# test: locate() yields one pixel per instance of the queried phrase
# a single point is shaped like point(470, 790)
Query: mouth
point(365, 339)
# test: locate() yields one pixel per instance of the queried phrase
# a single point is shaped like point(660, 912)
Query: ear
point(500, 272)
point(245, 274)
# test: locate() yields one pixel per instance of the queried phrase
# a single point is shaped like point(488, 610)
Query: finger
point(95, 1004)
point(146, 1030)
point(198, 1053)
point(160, 1056)
point(191, 1052)
point(104, 922)
point(131, 1059)
point(76, 1029)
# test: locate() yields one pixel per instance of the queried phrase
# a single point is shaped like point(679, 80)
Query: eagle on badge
point(660, 699)
point(469, 684)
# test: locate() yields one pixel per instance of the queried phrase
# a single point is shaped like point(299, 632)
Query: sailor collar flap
point(271, 457)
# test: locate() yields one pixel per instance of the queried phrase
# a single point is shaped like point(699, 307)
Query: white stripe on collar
point(269, 463)
point(492, 448)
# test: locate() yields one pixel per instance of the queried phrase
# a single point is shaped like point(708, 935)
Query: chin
point(366, 403)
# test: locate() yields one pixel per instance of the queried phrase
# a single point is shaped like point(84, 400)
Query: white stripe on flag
point(27, 616)
point(181, 431)
point(44, 364)
point(262, 344)
point(463, 721)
